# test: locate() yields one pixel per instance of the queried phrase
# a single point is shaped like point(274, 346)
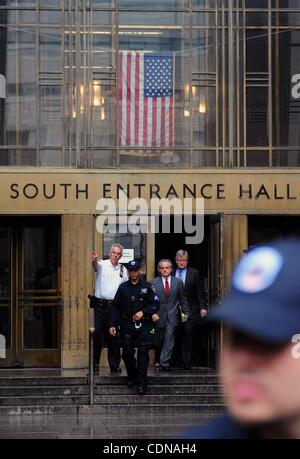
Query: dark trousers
point(187, 340)
point(101, 315)
point(143, 339)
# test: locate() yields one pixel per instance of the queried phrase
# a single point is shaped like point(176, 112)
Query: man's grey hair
point(164, 260)
point(182, 253)
point(119, 246)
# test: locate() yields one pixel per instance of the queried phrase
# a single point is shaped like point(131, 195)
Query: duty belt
point(103, 302)
point(129, 318)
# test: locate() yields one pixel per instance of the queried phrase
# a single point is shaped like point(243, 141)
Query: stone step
point(62, 421)
point(172, 430)
point(122, 389)
point(131, 399)
point(157, 399)
point(42, 381)
point(43, 391)
point(159, 379)
point(115, 409)
point(47, 401)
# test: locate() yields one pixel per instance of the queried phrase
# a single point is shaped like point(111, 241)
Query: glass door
point(215, 282)
point(30, 298)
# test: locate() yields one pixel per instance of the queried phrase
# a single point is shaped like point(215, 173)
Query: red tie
point(167, 287)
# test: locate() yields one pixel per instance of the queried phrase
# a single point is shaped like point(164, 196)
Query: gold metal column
point(235, 240)
point(76, 285)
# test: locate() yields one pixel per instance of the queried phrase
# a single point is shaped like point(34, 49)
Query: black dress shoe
point(115, 370)
point(142, 390)
point(164, 368)
point(131, 383)
point(187, 366)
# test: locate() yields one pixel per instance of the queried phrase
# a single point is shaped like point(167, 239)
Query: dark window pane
point(40, 327)
point(257, 158)
point(286, 159)
point(257, 116)
point(256, 51)
point(256, 3)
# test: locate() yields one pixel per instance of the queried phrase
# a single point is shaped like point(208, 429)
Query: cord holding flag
point(146, 99)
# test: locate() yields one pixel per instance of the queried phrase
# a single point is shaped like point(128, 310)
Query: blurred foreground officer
point(135, 309)
point(260, 367)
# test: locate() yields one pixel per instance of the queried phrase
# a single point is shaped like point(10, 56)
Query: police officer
point(260, 368)
point(135, 309)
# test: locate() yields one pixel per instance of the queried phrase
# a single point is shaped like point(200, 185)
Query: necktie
point(167, 287)
point(180, 273)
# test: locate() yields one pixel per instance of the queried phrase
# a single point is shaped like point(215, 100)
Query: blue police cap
point(264, 300)
point(134, 265)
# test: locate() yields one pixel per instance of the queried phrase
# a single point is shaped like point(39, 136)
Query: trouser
point(166, 353)
point(143, 339)
point(187, 340)
point(102, 323)
point(159, 342)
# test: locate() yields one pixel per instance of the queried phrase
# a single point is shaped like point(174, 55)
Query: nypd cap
point(134, 265)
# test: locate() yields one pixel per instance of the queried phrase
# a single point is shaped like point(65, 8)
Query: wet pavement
point(90, 427)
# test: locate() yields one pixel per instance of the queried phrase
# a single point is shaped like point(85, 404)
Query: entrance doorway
point(29, 291)
point(207, 258)
point(266, 228)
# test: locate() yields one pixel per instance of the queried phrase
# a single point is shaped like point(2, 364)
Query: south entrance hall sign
point(63, 192)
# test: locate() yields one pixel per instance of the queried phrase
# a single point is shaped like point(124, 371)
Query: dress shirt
point(109, 279)
point(181, 274)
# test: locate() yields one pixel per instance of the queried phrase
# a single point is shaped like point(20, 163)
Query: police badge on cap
point(134, 265)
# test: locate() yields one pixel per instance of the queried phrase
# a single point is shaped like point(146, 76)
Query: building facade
point(79, 124)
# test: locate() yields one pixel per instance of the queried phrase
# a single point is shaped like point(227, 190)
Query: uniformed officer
point(135, 309)
point(259, 367)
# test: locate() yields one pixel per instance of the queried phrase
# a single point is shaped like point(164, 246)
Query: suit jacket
point(169, 305)
point(193, 292)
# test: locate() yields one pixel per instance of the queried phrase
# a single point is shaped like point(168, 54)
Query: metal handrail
point(91, 366)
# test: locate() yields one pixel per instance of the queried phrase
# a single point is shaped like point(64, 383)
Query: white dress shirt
point(109, 279)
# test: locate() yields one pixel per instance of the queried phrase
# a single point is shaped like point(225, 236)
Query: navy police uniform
point(130, 299)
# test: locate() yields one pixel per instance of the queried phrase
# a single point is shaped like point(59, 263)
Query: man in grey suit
point(170, 291)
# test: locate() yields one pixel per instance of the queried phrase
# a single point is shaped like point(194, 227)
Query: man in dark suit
point(196, 305)
point(170, 291)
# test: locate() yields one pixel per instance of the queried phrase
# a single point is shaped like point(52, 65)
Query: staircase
point(174, 400)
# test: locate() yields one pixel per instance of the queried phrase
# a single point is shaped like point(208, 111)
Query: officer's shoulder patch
point(144, 290)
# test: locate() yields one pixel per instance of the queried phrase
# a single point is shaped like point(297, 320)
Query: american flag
point(146, 100)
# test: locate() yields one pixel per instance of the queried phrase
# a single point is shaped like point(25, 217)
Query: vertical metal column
point(77, 81)
point(230, 82)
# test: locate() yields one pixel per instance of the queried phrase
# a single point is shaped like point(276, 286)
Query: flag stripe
point(128, 99)
point(144, 120)
point(132, 95)
point(120, 96)
point(163, 122)
point(123, 101)
point(137, 99)
point(149, 120)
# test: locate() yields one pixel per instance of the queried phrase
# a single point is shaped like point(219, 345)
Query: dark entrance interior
point(266, 228)
point(205, 258)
